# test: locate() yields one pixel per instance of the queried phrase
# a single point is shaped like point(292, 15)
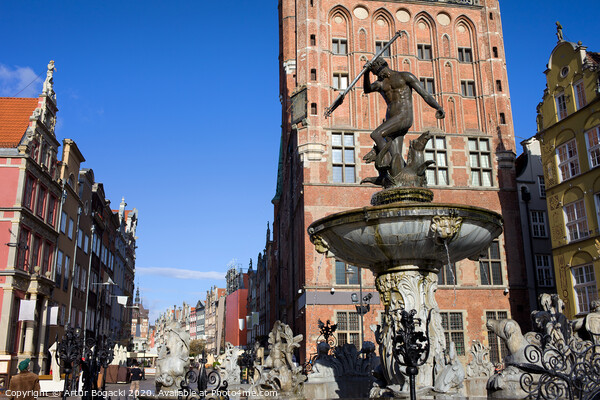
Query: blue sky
point(175, 106)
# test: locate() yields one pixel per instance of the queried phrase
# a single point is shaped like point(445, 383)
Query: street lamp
point(360, 308)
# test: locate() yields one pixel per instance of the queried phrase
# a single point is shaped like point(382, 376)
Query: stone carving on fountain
point(173, 357)
point(557, 360)
point(230, 369)
point(480, 365)
point(279, 372)
point(452, 374)
point(345, 361)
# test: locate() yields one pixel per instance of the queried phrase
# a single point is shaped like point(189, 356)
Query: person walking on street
point(136, 376)
point(25, 385)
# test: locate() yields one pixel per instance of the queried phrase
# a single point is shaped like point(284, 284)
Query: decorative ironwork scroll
point(208, 386)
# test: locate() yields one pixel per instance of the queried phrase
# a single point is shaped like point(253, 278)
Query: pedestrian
point(136, 376)
point(25, 385)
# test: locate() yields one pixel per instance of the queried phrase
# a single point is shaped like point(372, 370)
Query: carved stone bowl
point(403, 236)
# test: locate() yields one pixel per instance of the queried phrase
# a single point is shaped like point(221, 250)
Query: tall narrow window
point(543, 269)
point(435, 150)
point(538, 224)
point(23, 246)
point(498, 349)
point(313, 108)
point(498, 85)
point(427, 84)
point(480, 159)
point(465, 54)
point(313, 40)
point(380, 45)
point(424, 51)
point(454, 330)
point(339, 46)
point(584, 285)
point(580, 94)
point(51, 210)
point(490, 265)
point(41, 201)
point(502, 118)
point(313, 74)
point(542, 186)
point(348, 328)
point(593, 145)
point(340, 81)
point(576, 220)
point(568, 162)
point(343, 157)
point(29, 192)
point(495, 51)
point(561, 106)
point(467, 88)
point(59, 267)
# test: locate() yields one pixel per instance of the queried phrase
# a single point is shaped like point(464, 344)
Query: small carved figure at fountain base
point(279, 373)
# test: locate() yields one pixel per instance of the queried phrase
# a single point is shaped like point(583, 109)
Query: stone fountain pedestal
point(405, 239)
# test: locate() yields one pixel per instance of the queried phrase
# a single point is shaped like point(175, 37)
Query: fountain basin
point(400, 236)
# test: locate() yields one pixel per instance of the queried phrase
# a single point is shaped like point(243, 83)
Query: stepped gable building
point(569, 132)
point(455, 49)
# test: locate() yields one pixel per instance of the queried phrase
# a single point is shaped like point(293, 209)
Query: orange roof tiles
point(14, 119)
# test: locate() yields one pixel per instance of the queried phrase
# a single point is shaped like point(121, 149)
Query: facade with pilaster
point(569, 132)
point(456, 50)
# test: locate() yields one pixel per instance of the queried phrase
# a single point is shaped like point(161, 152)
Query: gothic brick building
point(455, 48)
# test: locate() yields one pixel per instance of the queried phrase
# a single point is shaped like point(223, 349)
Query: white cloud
point(178, 273)
point(15, 80)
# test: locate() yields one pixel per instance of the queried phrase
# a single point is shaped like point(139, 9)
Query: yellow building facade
point(569, 131)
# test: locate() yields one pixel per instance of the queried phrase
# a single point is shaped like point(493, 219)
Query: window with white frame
point(543, 267)
point(59, 266)
point(342, 156)
point(597, 203)
point(561, 106)
point(339, 46)
point(579, 94)
point(542, 186)
point(465, 54)
point(435, 150)
point(538, 224)
point(584, 285)
point(480, 159)
point(576, 220)
point(380, 45)
point(454, 330)
point(428, 85)
point(424, 51)
point(348, 328)
point(568, 162)
point(592, 139)
point(467, 88)
point(340, 80)
point(63, 222)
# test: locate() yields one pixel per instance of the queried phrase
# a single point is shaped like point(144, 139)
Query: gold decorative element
point(320, 244)
point(598, 246)
point(445, 227)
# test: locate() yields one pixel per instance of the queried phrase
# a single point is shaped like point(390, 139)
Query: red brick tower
point(456, 49)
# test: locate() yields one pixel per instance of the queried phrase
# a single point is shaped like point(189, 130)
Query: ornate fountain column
point(409, 289)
